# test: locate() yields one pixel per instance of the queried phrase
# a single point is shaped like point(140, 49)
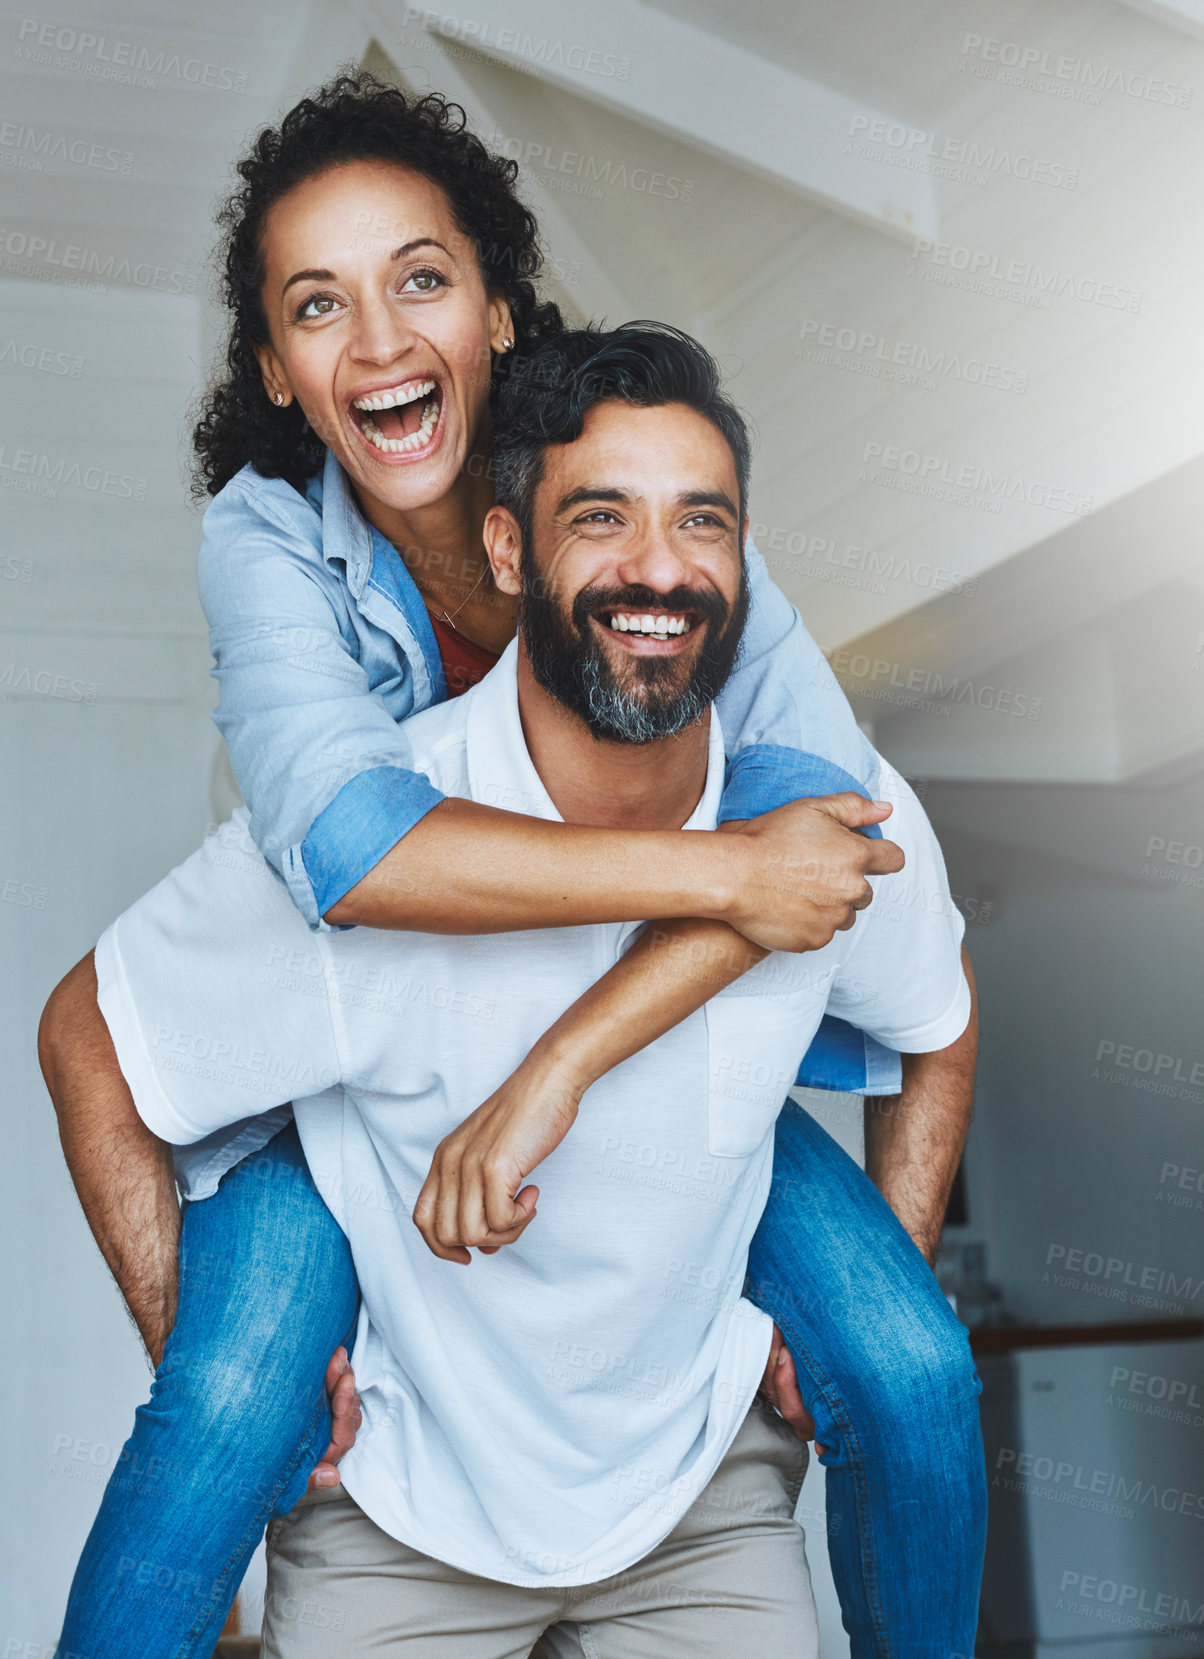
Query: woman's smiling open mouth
point(401, 419)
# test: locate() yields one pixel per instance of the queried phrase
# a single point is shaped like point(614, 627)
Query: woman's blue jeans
point(237, 1415)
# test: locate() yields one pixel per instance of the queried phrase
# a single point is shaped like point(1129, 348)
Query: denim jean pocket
point(757, 1034)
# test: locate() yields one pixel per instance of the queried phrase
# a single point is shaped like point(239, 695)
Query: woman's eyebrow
point(419, 242)
point(398, 253)
point(308, 276)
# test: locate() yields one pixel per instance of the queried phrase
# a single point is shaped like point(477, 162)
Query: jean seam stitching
point(867, 1552)
point(190, 1640)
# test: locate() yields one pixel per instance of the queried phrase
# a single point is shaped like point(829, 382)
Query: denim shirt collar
point(377, 579)
point(346, 534)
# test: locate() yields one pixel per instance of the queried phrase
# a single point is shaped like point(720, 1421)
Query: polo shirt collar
point(501, 772)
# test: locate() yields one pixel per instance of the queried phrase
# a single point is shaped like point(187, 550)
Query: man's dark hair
point(354, 117)
point(547, 397)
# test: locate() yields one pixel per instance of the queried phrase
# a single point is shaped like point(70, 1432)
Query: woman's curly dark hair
point(354, 117)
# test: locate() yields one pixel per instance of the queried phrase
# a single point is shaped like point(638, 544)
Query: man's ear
point(504, 545)
point(744, 533)
point(275, 383)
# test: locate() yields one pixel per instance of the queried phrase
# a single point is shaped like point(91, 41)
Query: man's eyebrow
point(592, 492)
point(398, 253)
point(709, 498)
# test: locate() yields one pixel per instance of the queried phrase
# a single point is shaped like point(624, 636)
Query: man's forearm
point(913, 1140)
point(122, 1172)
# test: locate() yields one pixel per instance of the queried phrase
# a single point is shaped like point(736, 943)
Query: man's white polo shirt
point(545, 1415)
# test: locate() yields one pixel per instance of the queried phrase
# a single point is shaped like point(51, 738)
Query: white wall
point(106, 748)
point(105, 751)
point(1092, 941)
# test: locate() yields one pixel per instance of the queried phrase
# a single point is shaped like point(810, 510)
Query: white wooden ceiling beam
point(1185, 15)
point(723, 100)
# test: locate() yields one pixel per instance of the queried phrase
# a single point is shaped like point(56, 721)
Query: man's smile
point(628, 622)
point(648, 633)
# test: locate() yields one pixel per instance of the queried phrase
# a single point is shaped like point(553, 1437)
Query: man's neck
point(608, 785)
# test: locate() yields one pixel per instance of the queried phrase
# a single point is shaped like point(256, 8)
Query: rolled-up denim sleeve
point(781, 706)
point(765, 776)
point(326, 772)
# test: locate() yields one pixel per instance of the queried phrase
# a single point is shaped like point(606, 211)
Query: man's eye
point(600, 515)
point(425, 282)
point(322, 305)
point(705, 518)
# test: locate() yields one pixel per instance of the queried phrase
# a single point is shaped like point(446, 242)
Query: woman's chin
point(419, 481)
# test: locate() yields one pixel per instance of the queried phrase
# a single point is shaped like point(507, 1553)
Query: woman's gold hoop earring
point(278, 399)
point(507, 343)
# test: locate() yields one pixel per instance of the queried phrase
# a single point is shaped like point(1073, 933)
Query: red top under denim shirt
point(464, 664)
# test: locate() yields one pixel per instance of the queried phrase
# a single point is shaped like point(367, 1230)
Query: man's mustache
point(704, 603)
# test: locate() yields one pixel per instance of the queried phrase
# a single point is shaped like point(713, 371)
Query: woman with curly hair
point(380, 275)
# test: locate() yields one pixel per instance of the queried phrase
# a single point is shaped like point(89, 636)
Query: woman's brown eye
point(323, 302)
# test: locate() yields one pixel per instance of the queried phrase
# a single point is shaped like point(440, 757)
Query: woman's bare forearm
point(474, 1193)
point(678, 963)
point(468, 868)
point(673, 968)
point(121, 1171)
point(784, 880)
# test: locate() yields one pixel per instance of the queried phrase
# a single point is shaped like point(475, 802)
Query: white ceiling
point(861, 480)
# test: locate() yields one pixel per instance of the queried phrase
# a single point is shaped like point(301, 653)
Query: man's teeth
point(631, 622)
point(396, 395)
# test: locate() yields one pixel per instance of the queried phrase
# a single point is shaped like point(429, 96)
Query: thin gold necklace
point(442, 614)
point(451, 620)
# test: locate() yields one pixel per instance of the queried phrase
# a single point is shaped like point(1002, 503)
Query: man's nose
point(651, 560)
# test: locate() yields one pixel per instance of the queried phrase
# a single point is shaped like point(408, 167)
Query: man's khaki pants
point(729, 1582)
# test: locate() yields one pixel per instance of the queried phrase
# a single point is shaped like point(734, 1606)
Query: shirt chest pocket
point(757, 1033)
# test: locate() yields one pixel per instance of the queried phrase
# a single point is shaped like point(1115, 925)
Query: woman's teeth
point(394, 399)
point(627, 622)
point(396, 396)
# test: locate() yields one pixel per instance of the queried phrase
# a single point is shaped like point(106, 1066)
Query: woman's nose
point(381, 333)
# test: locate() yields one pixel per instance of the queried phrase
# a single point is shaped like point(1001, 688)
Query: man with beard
point(564, 1439)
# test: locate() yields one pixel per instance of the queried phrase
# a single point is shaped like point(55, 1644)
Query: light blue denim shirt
point(323, 646)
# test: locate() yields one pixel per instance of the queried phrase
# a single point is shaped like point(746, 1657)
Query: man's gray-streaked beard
point(618, 716)
point(571, 665)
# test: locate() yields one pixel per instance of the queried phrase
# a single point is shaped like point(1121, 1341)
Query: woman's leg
point(884, 1367)
point(236, 1419)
